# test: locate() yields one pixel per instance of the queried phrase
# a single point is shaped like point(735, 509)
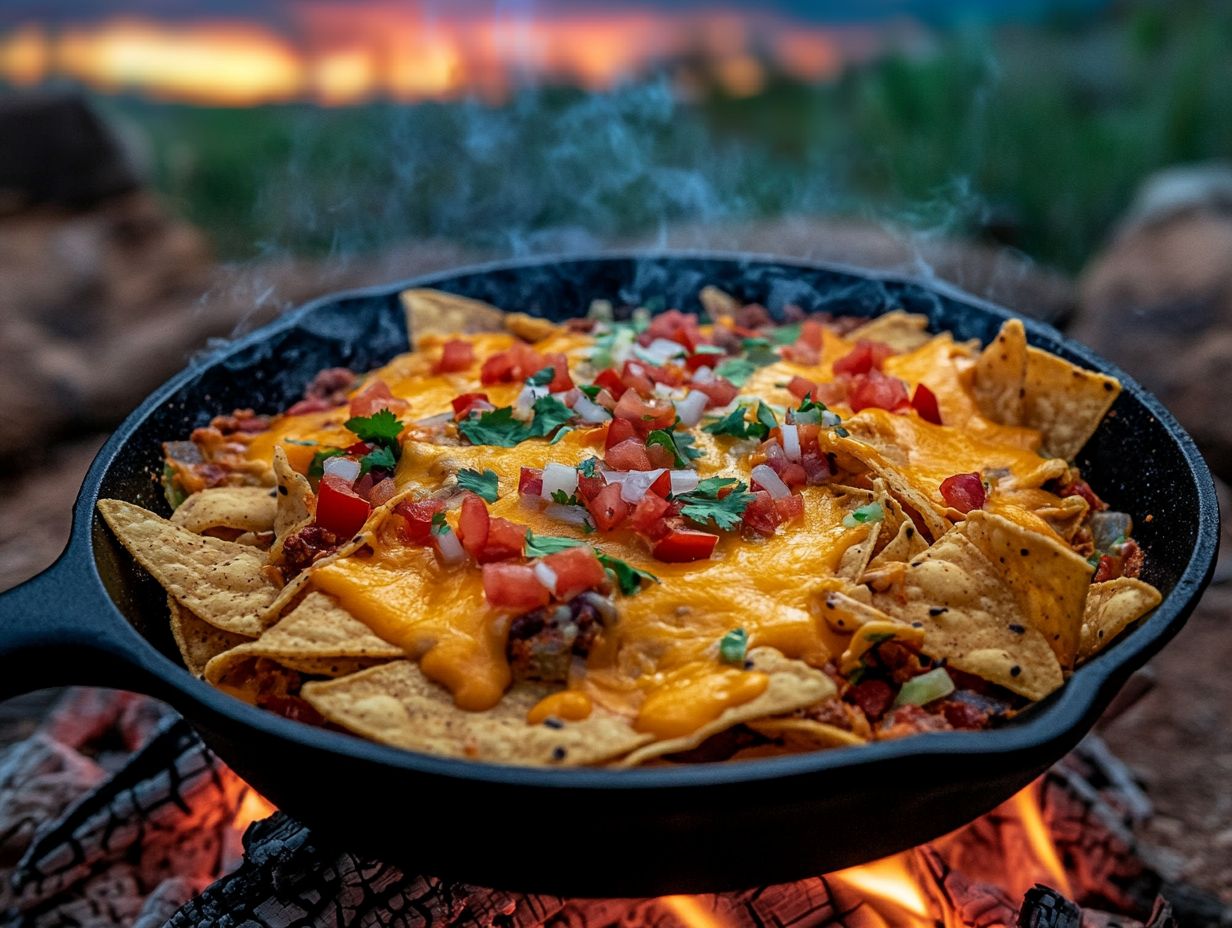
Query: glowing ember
point(892, 888)
point(338, 53)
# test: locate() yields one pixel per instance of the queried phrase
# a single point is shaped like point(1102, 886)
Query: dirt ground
point(1178, 738)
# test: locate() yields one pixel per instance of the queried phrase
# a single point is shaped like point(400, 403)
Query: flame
point(1026, 803)
point(339, 53)
point(253, 808)
point(691, 912)
point(891, 888)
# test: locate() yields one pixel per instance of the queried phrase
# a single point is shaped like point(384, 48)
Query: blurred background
point(176, 171)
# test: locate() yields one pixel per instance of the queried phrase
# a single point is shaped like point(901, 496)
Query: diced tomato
point(800, 387)
point(589, 487)
point(675, 326)
point(924, 401)
point(720, 390)
point(703, 359)
point(864, 357)
point(383, 492)
point(646, 417)
point(812, 333)
point(363, 486)
point(873, 697)
point(609, 379)
point(530, 482)
point(607, 508)
point(760, 516)
point(1132, 559)
point(466, 402)
point(671, 375)
point(474, 523)
point(339, 509)
point(660, 457)
point(577, 570)
point(662, 485)
point(790, 472)
point(1109, 569)
point(790, 508)
point(505, 540)
point(514, 587)
point(517, 362)
point(963, 492)
point(800, 353)
point(619, 430)
point(561, 380)
point(375, 397)
point(417, 519)
point(605, 399)
point(456, 355)
point(816, 467)
point(634, 377)
point(877, 390)
point(682, 545)
point(628, 455)
point(648, 514)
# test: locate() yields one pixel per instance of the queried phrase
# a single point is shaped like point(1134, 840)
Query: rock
point(1158, 301)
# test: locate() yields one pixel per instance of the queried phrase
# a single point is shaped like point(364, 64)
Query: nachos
point(658, 539)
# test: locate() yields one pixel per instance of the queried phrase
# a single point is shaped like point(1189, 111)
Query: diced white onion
point(614, 476)
point(690, 408)
point(546, 575)
point(684, 481)
point(559, 477)
point(589, 410)
point(526, 399)
point(344, 467)
point(443, 418)
point(830, 419)
point(660, 351)
point(703, 375)
point(791, 442)
point(573, 515)
point(662, 389)
point(635, 485)
point(449, 548)
point(770, 482)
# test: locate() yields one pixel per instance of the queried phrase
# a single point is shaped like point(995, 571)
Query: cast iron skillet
point(95, 618)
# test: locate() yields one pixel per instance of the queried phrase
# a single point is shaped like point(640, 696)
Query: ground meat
point(242, 420)
point(327, 390)
point(1083, 489)
point(302, 548)
point(873, 697)
point(837, 713)
point(899, 662)
point(753, 316)
point(542, 644)
point(910, 720)
point(1131, 559)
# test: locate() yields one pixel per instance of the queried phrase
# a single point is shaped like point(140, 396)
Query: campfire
point(142, 826)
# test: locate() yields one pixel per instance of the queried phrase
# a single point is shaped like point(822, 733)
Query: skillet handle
point(59, 628)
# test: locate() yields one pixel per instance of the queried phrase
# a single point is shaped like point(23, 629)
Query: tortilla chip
point(245, 509)
point(396, 704)
point(793, 685)
point(845, 611)
point(317, 636)
point(999, 375)
point(1112, 606)
point(1015, 384)
point(855, 559)
point(530, 328)
point(871, 634)
point(900, 330)
point(221, 582)
point(1049, 579)
point(1065, 402)
point(718, 302)
point(906, 544)
point(438, 311)
point(805, 734)
point(296, 504)
point(972, 617)
point(199, 641)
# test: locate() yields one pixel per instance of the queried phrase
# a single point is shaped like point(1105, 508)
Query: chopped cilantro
point(485, 485)
point(172, 490)
point(499, 427)
point(865, 514)
point(590, 389)
point(732, 424)
point(628, 578)
point(565, 499)
point(587, 467)
point(664, 439)
point(685, 445)
point(382, 457)
point(737, 370)
point(541, 545)
point(380, 428)
point(305, 442)
point(561, 434)
point(760, 352)
point(786, 334)
point(541, 377)
point(317, 467)
point(765, 416)
point(733, 645)
point(703, 504)
point(439, 525)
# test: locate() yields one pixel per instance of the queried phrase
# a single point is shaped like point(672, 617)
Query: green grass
point(1041, 133)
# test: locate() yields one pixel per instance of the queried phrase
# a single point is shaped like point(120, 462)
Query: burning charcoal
point(1044, 907)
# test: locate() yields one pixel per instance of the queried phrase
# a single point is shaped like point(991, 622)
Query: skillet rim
point(1060, 720)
